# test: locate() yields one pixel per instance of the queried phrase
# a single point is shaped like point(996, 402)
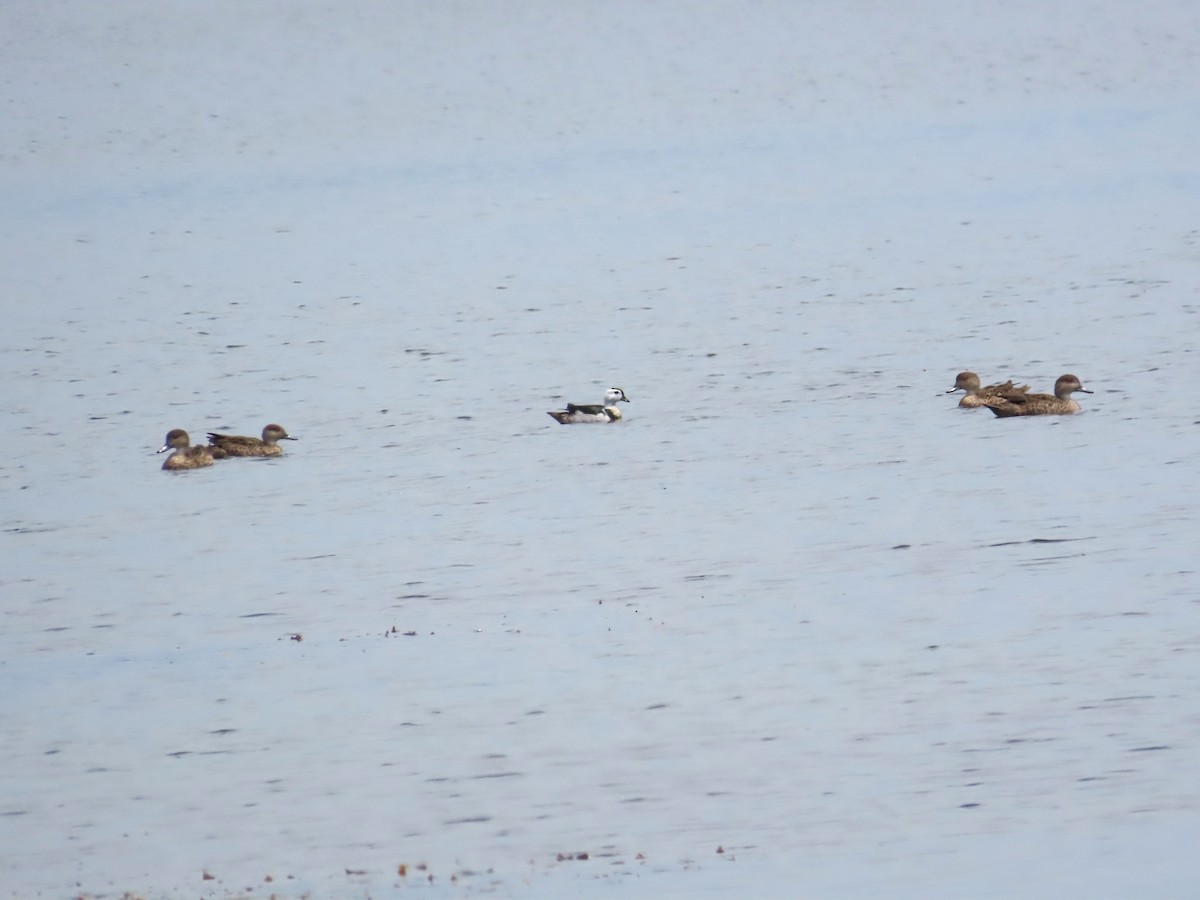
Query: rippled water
point(798, 626)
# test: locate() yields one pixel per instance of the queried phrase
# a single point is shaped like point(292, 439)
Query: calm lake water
point(797, 627)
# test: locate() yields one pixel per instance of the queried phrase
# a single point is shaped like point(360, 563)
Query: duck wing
point(233, 441)
point(1001, 390)
point(1019, 397)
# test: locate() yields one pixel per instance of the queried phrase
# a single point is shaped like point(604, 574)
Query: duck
point(185, 455)
point(1057, 404)
point(977, 396)
point(239, 445)
point(599, 413)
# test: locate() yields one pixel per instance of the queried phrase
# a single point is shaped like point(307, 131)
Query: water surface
point(798, 626)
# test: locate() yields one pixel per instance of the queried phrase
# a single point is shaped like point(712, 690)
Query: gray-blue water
point(798, 626)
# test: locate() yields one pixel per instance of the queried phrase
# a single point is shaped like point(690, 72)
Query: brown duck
point(1057, 404)
point(185, 456)
point(977, 396)
point(238, 445)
